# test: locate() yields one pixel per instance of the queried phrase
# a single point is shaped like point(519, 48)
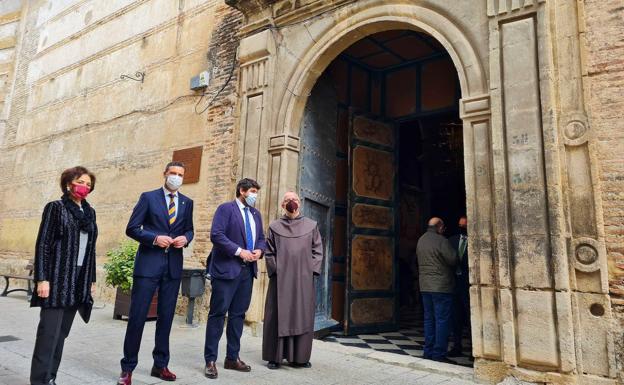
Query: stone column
point(475, 113)
point(554, 309)
point(584, 231)
point(255, 55)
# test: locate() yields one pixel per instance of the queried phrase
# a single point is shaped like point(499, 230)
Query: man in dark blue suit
point(461, 295)
point(238, 242)
point(162, 223)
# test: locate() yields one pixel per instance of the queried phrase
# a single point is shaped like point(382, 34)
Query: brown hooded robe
point(294, 254)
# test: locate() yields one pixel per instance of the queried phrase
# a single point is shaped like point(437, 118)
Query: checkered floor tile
point(408, 340)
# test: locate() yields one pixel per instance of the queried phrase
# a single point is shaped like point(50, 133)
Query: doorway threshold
point(412, 362)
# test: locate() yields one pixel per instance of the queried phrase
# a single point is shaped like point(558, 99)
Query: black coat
point(56, 256)
point(462, 279)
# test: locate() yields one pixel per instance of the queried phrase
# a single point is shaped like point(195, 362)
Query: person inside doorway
point(437, 262)
point(461, 300)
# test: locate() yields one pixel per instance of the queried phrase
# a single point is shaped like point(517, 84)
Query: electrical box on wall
point(200, 81)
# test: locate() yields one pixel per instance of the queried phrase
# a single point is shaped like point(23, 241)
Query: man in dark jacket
point(238, 242)
point(437, 261)
point(461, 301)
point(162, 223)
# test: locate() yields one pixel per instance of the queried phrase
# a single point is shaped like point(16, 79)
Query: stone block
point(490, 322)
point(594, 314)
point(537, 329)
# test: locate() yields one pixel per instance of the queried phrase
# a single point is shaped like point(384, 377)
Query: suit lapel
point(181, 207)
point(239, 218)
point(162, 203)
point(254, 212)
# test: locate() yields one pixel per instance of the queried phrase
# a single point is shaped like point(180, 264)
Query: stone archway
point(528, 300)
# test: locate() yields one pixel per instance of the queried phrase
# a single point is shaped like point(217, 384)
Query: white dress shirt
point(175, 201)
point(252, 223)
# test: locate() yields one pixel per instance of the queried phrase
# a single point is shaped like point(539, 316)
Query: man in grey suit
point(437, 261)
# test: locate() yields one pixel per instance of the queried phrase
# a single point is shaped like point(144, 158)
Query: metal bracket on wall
point(139, 76)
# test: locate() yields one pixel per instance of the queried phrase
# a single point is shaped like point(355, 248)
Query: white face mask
point(174, 182)
point(251, 199)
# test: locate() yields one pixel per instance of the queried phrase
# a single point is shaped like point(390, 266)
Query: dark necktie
point(248, 233)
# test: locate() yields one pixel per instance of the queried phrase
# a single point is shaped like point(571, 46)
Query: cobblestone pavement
point(92, 354)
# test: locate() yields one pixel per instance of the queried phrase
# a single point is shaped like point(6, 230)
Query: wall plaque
point(191, 157)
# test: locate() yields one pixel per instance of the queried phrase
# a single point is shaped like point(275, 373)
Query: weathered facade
point(541, 97)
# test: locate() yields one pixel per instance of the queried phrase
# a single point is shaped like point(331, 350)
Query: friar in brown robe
point(293, 256)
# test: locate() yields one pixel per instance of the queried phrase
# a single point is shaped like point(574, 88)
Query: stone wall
point(604, 85)
point(69, 106)
point(10, 12)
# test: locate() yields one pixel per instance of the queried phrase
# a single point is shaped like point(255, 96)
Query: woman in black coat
point(64, 270)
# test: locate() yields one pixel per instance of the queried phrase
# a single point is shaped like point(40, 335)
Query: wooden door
point(317, 185)
point(371, 266)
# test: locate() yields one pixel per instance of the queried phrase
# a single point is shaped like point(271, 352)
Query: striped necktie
point(172, 209)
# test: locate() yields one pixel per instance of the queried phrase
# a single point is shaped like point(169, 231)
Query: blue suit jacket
point(149, 219)
point(227, 235)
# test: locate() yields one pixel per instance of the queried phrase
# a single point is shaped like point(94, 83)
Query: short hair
point(174, 164)
point(246, 184)
point(70, 174)
point(435, 221)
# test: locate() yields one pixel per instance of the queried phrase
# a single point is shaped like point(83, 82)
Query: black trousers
point(461, 312)
point(54, 327)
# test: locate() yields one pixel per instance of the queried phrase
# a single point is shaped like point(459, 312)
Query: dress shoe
point(273, 365)
point(164, 374)
point(52, 381)
point(237, 364)
point(211, 370)
point(125, 378)
point(304, 365)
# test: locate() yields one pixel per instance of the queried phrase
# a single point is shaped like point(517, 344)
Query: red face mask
point(80, 191)
point(292, 206)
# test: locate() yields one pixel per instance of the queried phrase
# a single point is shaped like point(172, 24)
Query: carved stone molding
point(282, 142)
point(588, 254)
point(255, 47)
point(249, 7)
point(254, 76)
point(575, 129)
point(474, 107)
point(509, 7)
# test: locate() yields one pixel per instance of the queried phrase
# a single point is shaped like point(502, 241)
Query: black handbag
point(85, 309)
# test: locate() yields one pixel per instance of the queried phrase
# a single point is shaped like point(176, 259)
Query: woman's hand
point(43, 289)
point(93, 288)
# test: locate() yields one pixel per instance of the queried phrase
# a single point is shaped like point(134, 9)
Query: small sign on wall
point(191, 157)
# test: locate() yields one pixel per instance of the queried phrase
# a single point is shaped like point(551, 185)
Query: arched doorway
point(381, 152)
point(529, 293)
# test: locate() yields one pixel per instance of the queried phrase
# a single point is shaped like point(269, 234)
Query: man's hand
point(43, 289)
point(246, 256)
point(93, 288)
point(257, 253)
point(164, 241)
point(179, 241)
